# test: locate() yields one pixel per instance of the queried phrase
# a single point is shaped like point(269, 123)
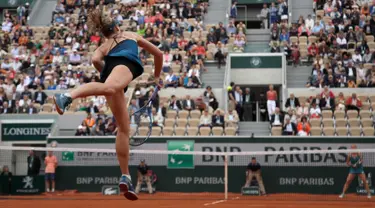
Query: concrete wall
point(256, 76)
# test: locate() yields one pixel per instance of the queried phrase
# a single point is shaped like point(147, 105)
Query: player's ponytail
point(97, 21)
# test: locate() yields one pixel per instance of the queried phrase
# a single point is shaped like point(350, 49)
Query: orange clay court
point(183, 200)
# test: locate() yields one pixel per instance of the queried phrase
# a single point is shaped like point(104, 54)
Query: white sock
point(128, 176)
point(48, 190)
point(53, 190)
point(67, 94)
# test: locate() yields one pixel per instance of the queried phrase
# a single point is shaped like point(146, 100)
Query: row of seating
point(350, 114)
point(189, 131)
point(330, 131)
point(365, 122)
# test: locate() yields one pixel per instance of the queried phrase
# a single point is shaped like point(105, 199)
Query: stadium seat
point(352, 114)
point(230, 131)
point(339, 114)
point(329, 131)
point(315, 122)
point(366, 106)
point(182, 122)
point(183, 114)
point(353, 122)
point(355, 131)
point(169, 122)
point(365, 114)
point(156, 131)
point(367, 122)
point(327, 122)
point(142, 131)
point(276, 131)
point(316, 131)
point(205, 131)
point(47, 107)
point(171, 114)
point(168, 131)
point(341, 122)
point(217, 131)
point(180, 131)
point(194, 122)
point(192, 130)
point(368, 131)
point(195, 114)
point(342, 131)
point(327, 114)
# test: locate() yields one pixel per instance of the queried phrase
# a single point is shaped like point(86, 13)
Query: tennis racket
point(142, 116)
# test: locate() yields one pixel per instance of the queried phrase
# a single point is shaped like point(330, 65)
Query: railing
point(290, 14)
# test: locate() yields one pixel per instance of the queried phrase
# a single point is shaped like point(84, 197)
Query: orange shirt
point(201, 50)
point(271, 95)
point(300, 127)
point(23, 40)
point(90, 122)
point(51, 164)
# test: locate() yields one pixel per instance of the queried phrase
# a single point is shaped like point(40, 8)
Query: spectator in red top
point(150, 19)
point(201, 50)
point(327, 92)
point(182, 43)
point(95, 38)
point(353, 103)
point(158, 17)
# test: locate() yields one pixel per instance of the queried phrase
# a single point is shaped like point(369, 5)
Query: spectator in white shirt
point(357, 58)
point(25, 101)
point(341, 41)
point(158, 119)
point(6, 65)
point(195, 69)
point(16, 64)
point(315, 111)
point(7, 25)
point(309, 22)
point(57, 59)
point(15, 50)
point(75, 58)
point(205, 120)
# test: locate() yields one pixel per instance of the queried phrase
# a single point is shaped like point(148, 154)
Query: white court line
point(215, 202)
point(235, 198)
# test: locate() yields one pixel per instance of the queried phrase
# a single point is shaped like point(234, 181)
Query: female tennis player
point(118, 63)
point(354, 160)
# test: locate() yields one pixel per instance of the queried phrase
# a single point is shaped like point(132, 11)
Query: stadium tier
point(265, 103)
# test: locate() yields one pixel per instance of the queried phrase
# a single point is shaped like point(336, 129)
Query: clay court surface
point(171, 200)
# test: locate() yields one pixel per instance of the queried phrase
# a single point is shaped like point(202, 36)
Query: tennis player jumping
point(354, 160)
point(118, 63)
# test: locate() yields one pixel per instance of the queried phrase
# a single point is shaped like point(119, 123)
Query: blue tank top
point(127, 48)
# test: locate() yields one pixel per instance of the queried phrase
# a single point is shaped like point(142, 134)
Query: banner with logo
point(22, 185)
point(25, 130)
point(190, 161)
point(256, 62)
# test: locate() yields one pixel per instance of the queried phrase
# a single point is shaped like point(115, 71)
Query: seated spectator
point(218, 119)
point(341, 102)
point(5, 109)
point(277, 118)
point(174, 104)
point(157, 119)
point(167, 61)
point(353, 103)
point(327, 103)
point(99, 128)
point(239, 44)
point(75, 58)
point(292, 102)
point(171, 80)
point(303, 127)
point(220, 52)
point(231, 119)
point(91, 108)
point(313, 51)
point(289, 128)
point(83, 130)
point(351, 71)
point(6, 172)
point(89, 121)
point(40, 96)
point(205, 119)
point(110, 127)
point(31, 109)
point(341, 41)
point(161, 109)
point(303, 110)
point(315, 111)
point(188, 104)
point(194, 70)
point(25, 101)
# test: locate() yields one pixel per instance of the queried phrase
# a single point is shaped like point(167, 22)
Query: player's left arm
point(98, 59)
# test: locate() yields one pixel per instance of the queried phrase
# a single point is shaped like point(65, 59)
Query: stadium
point(263, 103)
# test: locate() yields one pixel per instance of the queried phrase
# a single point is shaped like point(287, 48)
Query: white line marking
point(215, 202)
point(235, 198)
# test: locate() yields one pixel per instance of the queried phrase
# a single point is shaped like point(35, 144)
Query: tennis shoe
point(61, 102)
point(369, 196)
point(127, 188)
point(341, 196)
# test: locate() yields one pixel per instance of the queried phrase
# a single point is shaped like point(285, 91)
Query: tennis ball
point(229, 88)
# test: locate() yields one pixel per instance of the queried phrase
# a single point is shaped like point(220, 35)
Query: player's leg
point(362, 176)
point(349, 180)
point(117, 103)
point(53, 182)
point(119, 78)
